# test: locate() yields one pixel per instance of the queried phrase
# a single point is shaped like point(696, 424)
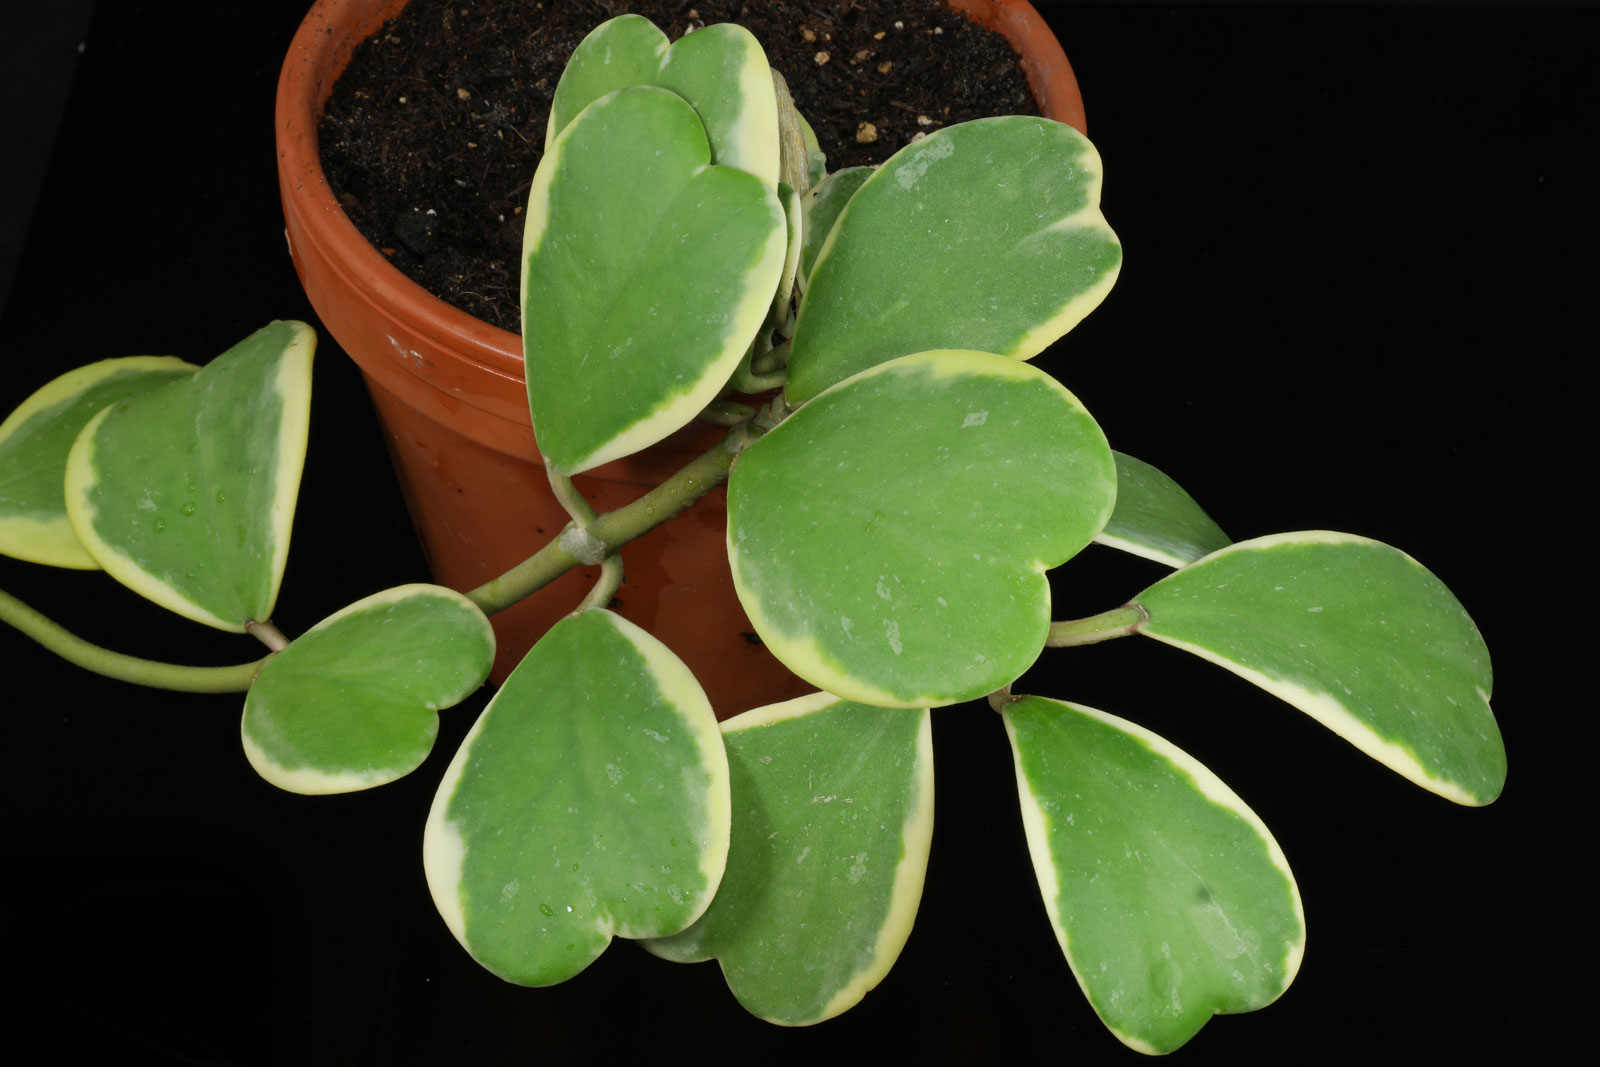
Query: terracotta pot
point(449, 392)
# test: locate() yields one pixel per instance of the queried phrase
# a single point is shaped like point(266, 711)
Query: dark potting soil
point(431, 136)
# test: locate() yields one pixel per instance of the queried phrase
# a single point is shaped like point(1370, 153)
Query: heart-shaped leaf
point(832, 820)
point(589, 800)
point(720, 70)
point(1168, 895)
point(889, 541)
point(35, 440)
point(186, 493)
point(821, 208)
point(354, 702)
point(1357, 635)
point(646, 274)
point(1156, 519)
point(986, 235)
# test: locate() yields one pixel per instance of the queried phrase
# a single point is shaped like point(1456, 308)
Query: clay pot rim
point(318, 55)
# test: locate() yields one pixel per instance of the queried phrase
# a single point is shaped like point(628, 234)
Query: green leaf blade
point(889, 541)
point(1356, 634)
point(35, 440)
point(820, 208)
point(627, 50)
point(720, 70)
point(1169, 897)
point(986, 235)
point(589, 800)
point(353, 702)
point(186, 493)
point(833, 819)
point(645, 277)
point(1156, 519)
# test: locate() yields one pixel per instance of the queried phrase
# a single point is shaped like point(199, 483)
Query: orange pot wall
point(1049, 74)
point(449, 392)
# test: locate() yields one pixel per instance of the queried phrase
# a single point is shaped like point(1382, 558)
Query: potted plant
point(891, 517)
point(449, 388)
point(1324, 946)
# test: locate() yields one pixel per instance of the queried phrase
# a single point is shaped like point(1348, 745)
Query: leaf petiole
point(268, 635)
point(745, 380)
point(617, 528)
point(1118, 622)
point(605, 587)
point(583, 514)
point(727, 413)
point(773, 360)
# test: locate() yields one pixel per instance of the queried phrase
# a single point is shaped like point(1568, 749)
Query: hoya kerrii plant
point(900, 482)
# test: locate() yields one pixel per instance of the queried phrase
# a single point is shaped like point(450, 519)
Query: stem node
point(583, 546)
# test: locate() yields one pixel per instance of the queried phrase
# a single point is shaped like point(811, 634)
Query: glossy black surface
point(1354, 298)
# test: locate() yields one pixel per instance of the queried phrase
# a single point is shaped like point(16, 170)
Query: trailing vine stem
point(607, 533)
point(612, 530)
point(1118, 622)
point(91, 657)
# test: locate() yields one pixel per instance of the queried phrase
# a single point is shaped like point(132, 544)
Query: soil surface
point(431, 137)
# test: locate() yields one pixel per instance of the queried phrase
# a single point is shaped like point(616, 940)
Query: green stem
point(773, 360)
point(697, 478)
point(268, 635)
point(527, 577)
point(616, 528)
point(567, 494)
point(606, 586)
point(726, 413)
point(611, 530)
point(76, 650)
point(577, 534)
point(749, 382)
point(1001, 697)
point(1118, 622)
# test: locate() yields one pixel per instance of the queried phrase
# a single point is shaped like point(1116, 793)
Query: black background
point(1357, 296)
